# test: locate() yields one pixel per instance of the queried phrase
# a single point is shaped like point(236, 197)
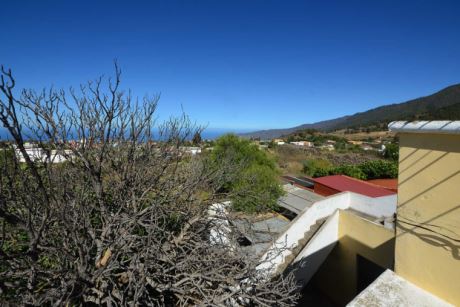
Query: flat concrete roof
point(297, 199)
point(390, 289)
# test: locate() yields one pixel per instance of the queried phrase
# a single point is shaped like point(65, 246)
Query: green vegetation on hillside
point(319, 139)
point(291, 159)
point(442, 105)
point(313, 136)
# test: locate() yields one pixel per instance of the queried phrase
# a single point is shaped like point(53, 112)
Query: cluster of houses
point(38, 153)
point(375, 145)
point(373, 243)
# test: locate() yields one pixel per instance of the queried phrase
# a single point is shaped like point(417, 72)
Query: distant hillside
point(443, 105)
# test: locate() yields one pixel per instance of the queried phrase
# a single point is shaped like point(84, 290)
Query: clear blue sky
point(241, 64)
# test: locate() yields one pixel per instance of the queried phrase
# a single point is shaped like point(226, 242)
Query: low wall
point(384, 206)
point(299, 226)
point(316, 251)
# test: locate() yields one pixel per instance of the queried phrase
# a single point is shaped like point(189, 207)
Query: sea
point(207, 134)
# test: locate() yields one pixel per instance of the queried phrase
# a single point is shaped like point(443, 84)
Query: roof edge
point(436, 126)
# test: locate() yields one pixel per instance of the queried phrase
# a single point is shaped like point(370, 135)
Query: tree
point(120, 221)
point(254, 185)
point(196, 138)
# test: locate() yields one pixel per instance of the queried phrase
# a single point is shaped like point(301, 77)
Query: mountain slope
point(444, 104)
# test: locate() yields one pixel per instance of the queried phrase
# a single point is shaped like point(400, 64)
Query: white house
point(302, 143)
point(38, 154)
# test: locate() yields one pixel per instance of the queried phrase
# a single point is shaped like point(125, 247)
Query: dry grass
point(290, 158)
point(364, 135)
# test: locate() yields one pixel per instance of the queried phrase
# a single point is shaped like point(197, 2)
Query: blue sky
point(241, 64)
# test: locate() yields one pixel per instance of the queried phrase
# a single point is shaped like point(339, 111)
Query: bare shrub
point(123, 221)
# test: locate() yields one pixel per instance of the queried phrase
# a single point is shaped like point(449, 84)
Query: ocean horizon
point(207, 134)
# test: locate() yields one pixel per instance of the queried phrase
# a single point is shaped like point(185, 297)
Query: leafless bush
point(123, 221)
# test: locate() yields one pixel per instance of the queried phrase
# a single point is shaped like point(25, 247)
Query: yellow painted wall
point(337, 276)
point(428, 215)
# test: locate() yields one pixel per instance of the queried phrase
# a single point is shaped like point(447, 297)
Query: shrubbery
point(379, 169)
point(349, 170)
point(317, 167)
point(374, 169)
point(252, 184)
point(391, 151)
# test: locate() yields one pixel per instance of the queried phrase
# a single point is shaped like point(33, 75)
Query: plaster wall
point(428, 213)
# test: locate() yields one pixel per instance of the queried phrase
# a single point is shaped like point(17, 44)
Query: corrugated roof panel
point(344, 183)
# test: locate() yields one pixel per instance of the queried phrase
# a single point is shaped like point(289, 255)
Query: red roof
point(344, 183)
point(390, 184)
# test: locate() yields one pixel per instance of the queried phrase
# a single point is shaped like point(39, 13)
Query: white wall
point(39, 154)
point(316, 251)
point(299, 226)
point(374, 206)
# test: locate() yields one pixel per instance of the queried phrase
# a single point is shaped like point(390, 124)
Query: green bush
point(320, 172)
point(317, 167)
point(391, 151)
point(251, 175)
point(349, 170)
point(376, 169)
point(6, 157)
point(256, 190)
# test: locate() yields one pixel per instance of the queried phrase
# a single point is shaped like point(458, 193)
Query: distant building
point(278, 141)
point(302, 143)
point(329, 147)
point(38, 154)
point(33, 151)
point(191, 150)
